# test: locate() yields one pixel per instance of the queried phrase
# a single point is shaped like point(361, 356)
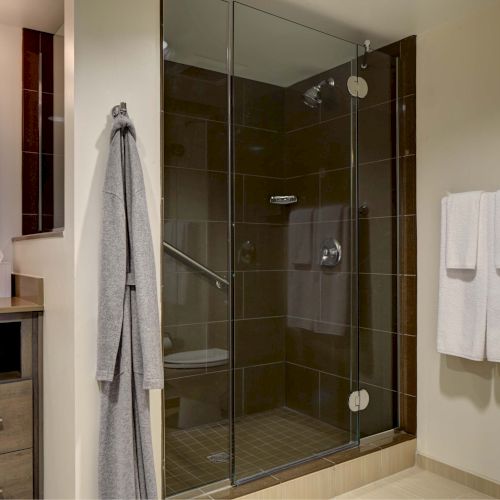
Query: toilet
point(198, 402)
point(196, 359)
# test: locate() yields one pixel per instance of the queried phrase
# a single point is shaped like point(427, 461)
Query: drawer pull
point(1, 492)
point(1, 429)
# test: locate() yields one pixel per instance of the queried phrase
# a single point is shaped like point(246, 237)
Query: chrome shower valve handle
point(331, 253)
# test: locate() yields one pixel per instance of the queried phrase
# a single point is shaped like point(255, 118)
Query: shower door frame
point(355, 365)
point(354, 167)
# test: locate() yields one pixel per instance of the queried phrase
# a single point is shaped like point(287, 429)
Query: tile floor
point(263, 441)
point(414, 483)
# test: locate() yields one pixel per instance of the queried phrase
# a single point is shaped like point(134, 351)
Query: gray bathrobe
point(129, 360)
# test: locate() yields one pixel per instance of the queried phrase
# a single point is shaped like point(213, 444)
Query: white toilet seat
point(196, 359)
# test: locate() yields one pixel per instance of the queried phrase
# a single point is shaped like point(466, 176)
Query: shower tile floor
point(263, 441)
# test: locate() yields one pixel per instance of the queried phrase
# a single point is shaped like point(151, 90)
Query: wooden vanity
point(21, 402)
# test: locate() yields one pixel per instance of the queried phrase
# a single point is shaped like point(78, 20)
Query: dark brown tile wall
point(260, 242)
point(318, 144)
point(387, 291)
point(317, 163)
point(318, 335)
point(195, 219)
point(406, 51)
point(260, 234)
point(34, 44)
point(292, 334)
point(302, 389)
point(334, 395)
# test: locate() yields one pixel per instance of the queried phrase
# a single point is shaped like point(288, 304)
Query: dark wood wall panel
point(405, 50)
point(38, 148)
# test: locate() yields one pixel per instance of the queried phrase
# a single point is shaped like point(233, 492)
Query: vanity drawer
point(16, 416)
point(16, 474)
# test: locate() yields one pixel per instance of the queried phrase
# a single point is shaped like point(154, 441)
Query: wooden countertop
point(18, 305)
point(27, 296)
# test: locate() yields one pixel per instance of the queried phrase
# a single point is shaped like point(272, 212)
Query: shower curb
point(325, 477)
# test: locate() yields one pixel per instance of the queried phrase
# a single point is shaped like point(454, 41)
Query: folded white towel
point(463, 295)
point(302, 303)
point(462, 224)
point(300, 237)
point(493, 313)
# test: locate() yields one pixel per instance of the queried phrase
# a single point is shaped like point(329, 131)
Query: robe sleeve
point(144, 277)
point(113, 266)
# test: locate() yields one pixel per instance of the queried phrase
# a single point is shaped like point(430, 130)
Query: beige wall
point(10, 136)
point(458, 149)
point(117, 58)
point(52, 259)
point(112, 53)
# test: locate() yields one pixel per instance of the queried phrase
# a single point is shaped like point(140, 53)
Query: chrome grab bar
point(220, 282)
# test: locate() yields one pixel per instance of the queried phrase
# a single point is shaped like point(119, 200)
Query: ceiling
point(42, 15)
point(275, 50)
point(381, 21)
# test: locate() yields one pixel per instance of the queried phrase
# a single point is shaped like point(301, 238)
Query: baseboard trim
point(478, 483)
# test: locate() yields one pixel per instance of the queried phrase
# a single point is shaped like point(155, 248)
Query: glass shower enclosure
point(270, 302)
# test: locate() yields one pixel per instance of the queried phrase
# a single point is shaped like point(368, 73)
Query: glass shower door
point(294, 276)
point(194, 294)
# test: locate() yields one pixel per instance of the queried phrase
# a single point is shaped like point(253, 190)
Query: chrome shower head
point(312, 96)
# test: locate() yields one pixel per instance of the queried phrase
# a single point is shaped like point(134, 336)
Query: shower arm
point(368, 49)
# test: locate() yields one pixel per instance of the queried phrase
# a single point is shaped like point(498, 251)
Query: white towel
point(463, 296)
point(302, 303)
point(493, 313)
point(462, 226)
point(300, 235)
